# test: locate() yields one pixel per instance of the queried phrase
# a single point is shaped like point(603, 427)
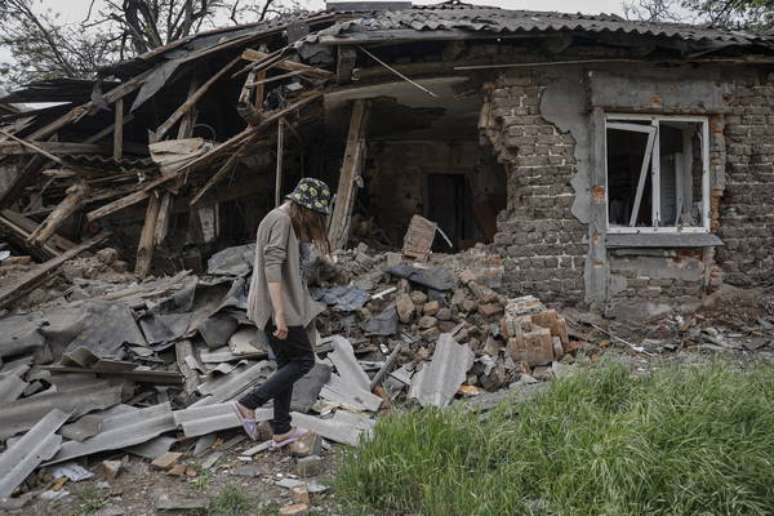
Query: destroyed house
point(606, 161)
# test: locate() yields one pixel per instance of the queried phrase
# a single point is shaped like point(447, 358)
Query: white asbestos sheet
point(437, 383)
point(203, 420)
point(121, 431)
point(344, 427)
point(339, 391)
point(345, 362)
point(26, 454)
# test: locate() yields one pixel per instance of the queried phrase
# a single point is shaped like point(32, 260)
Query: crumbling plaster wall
point(746, 211)
point(545, 127)
point(645, 282)
point(544, 244)
point(739, 103)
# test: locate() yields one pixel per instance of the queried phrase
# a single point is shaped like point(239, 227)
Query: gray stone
point(170, 502)
point(427, 322)
point(309, 466)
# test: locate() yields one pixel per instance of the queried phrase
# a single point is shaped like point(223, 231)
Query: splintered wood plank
point(193, 99)
point(184, 354)
point(419, 238)
point(8, 148)
point(35, 148)
point(216, 178)
point(189, 119)
point(118, 133)
point(162, 224)
point(354, 155)
point(124, 202)
point(280, 151)
point(77, 112)
point(148, 237)
point(291, 66)
point(260, 88)
point(345, 64)
point(76, 194)
point(246, 135)
point(108, 130)
point(247, 89)
point(33, 278)
point(21, 228)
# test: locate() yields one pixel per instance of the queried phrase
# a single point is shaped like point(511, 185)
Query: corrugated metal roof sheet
point(492, 20)
point(454, 16)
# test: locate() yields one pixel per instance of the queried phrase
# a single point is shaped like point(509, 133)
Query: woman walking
point(279, 302)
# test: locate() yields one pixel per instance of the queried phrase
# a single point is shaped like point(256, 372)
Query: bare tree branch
point(43, 47)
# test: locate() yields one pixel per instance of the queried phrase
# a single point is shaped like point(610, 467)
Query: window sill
point(661, 240)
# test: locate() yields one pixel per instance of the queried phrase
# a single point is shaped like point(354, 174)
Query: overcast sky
point(74, 11)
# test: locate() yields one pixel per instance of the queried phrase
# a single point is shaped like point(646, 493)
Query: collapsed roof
point(267, 74)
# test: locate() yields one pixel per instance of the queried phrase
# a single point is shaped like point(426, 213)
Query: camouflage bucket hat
point(312, 194)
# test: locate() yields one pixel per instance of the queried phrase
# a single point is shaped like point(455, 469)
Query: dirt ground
point(732, 323)
point(137, 488)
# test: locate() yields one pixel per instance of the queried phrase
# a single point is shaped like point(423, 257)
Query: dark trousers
point(295, 358)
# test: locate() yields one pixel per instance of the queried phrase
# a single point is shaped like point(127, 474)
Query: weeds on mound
point(684, 440)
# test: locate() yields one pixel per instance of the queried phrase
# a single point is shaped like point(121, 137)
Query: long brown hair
point(309, 226)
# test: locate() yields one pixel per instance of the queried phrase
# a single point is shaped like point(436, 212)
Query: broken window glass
point(657, 175)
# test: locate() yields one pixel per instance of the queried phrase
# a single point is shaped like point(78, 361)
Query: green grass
point(202, 480)
point(90, 500)
point(231, 500)
point(682, 441)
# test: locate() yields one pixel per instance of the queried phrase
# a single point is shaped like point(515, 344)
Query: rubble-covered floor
point(397, 333)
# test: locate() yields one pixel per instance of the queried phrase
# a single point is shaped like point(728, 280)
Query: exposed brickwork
point(544, 243)
point(546, 246)
point(746, 222)
point(676, 278)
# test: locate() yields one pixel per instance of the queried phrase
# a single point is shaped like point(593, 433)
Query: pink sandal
point(295, 435)
point(250, 426)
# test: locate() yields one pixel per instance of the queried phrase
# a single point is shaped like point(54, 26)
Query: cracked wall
point(542, 126)
point(543, 243)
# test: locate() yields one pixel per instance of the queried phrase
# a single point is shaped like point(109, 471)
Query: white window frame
point(613, 120)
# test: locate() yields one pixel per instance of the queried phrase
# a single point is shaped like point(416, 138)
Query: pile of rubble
point(150, 367)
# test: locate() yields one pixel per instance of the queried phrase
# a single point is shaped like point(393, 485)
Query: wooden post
point(29, 281)
point(193, 99)
point(189, 119)
point(148, 236)
point(118, 131)
point(20, 228)
point(212, 181)
point(247, 135)
point(349, 176)
point(68, 206)
point(259, 90)
point(278, 178)
point(247, 89)
point(345, 64)
point(162, 223)
point(597, 266)
point(185, 130)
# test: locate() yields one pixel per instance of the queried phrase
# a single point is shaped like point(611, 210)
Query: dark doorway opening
point(449, 205)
